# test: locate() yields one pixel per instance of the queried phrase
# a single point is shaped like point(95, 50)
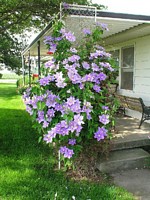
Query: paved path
point(8, 80)
point(136, 181)
point(127, 125)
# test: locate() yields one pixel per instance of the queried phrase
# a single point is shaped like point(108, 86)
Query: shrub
point(1, 75)
point(22, 88)
point(70, 104)
point(19, 82)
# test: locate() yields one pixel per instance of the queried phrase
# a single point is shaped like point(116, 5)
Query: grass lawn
point(26, 167)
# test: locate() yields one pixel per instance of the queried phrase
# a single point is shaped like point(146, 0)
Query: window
point(127, 66)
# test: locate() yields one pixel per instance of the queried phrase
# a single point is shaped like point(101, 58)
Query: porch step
point(130, 141)
point(123, 160)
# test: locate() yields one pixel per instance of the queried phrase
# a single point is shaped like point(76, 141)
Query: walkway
point(136, 181)
point(126, 125)
point(8, 80)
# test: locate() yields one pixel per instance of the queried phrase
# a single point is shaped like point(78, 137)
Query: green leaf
point(42, 105)
point(40, 139)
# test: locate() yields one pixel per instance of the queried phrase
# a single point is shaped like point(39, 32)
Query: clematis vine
point(70, 103)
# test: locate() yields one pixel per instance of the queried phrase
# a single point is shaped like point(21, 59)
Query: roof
point(85, 17)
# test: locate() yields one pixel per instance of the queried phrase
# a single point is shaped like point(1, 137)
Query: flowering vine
point(71, 103)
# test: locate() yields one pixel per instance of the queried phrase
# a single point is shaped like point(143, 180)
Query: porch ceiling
point(123, 29)
point(119, 30)
point(132, 33)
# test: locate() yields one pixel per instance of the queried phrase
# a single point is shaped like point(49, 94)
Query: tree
point(10, 49)
point(16, 16)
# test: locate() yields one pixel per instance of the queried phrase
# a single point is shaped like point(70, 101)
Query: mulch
point(85, 165)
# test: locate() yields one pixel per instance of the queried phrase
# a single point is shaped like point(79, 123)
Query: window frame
point(121, 66)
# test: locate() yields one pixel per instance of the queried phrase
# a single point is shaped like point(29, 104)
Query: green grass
point(26, 167)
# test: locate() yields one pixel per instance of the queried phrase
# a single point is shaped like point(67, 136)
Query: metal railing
point(79, 10)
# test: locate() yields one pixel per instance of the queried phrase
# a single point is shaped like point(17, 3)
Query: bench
point(134, 104)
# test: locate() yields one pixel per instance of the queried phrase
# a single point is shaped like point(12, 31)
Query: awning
point(122, 27)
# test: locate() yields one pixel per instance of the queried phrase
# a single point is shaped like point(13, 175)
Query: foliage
point(1, 75)
point(10, 50)
point(22, 88)
point(30, 13)
point(16, 17)
point(71, 103)
point(26, 168)
point(19, 82)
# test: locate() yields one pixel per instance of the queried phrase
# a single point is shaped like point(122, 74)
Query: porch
point(128, 135)
point(122, 28)
point(130, 161)
point(129, 148)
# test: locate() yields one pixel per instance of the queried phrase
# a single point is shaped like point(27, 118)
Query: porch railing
point(79, 10)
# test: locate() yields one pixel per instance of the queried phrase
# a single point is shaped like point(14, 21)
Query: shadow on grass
point(26, 167)
point(24, 163)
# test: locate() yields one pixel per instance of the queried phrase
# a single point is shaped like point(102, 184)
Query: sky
point(141, 7)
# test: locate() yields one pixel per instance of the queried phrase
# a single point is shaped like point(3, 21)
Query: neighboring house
point(128, 39)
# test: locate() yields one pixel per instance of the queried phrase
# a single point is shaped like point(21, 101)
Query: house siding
point(141, 83)
point(142, 69)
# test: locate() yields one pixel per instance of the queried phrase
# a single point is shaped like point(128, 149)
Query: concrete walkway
point(8, 80)
point(136, 181)
point(128, 126)
point(127, 133)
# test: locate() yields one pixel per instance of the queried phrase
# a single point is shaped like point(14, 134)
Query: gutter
point(38, 37)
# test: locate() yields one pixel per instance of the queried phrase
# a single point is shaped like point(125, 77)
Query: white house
point(128, 39)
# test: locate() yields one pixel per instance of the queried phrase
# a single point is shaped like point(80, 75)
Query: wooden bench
point(134, 104)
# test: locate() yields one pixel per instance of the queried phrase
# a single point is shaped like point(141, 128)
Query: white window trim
point(119, 47)
point(124, 91)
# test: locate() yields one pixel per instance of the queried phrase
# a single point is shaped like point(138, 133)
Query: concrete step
point(123, 160)
point(130, 141)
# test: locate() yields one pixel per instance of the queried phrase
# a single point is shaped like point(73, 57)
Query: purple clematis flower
point(86, 31)
point(65, 5)
point(100, 134)
point(104, 119)
point(67, 153)
point(72, 142)
point(69, 36)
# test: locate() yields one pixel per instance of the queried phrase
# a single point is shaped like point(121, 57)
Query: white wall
point(141, 84)
point(142, 69)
